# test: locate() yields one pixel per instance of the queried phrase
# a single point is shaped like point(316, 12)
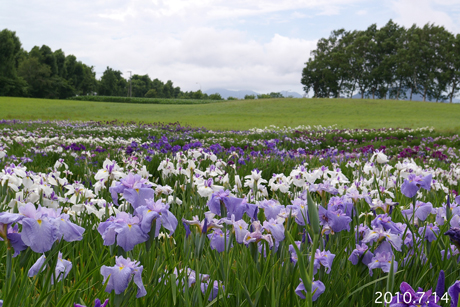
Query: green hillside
point(244, 114)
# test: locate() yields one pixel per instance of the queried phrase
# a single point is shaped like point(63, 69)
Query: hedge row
point(142, 100)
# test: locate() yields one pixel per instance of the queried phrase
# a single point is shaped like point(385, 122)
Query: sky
point(259, 45)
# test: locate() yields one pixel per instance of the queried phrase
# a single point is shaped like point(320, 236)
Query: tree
point(168, 90)
point(112, 83)
point(151, 93)
point(10, 51)
point(59, 55)
point(388, 40)
point(453, 66)
point(48, 58)
point(141, 85)
point(81, 76)
point(215, 96)
point(37, 76)
point(276, 95)
point(427, 58)
point(158, 86)
point(263, 96)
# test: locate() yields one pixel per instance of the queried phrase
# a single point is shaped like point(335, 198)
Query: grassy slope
point(244, 114)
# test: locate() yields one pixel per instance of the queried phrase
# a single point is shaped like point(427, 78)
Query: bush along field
point(142, 100)
point(124, 214)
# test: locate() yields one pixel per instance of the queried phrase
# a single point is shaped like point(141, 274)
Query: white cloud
point(421, 12)
point(215, 58)
point(298, 15)
point(232, 44)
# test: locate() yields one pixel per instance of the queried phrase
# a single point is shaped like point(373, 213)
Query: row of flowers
point(390, 206)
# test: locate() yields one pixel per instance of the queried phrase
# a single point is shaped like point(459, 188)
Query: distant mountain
point(293, 94)
point(240, 94)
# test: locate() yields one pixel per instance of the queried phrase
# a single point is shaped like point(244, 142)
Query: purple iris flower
point(299, 209)
point(214, 290)
point(419, 298)
point(125, 228)
point(7, 218)
point(37, 230)
point(382, 261)
point(276, 228)
point(240, 228)
point(69, 231)
point(336, 220)
point(321, 188)
point(294, 256)
point(156, 211)
point(9, 233)
point(61, 271)
point(16, 242)
point(454, 250)
point(421, 211)
point(317, 288)
point(344, 203)
point(430, 231)
point(361, 251)
point(218, 239)
point(271, 208)
point(454, 236)
point(204, 226)
point(257, 236)
point(454, 292)
point(43, 226)
point(216, 199)
point(323, 258)
point(378, 234)
point(121, 274)
point(384, 221)
point(135, 190)
point(239, 206)
point(360, 232)
point(97, 303)
point(413, 183)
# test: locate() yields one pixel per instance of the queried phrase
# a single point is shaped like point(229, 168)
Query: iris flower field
point(125, 214)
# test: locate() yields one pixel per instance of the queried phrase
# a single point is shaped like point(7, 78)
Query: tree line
point(43, 73)
point(391, 62)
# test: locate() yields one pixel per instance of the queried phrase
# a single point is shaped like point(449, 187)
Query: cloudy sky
point(258, 45)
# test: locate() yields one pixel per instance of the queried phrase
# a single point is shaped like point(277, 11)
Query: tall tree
point(140, 85)
point(361, 48)
point(59, 55)
point(453, 66)
point(112, 83)
point(37, 76)
point(10, 51)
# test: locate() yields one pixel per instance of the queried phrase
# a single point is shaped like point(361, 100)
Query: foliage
point(146, 100)
point(10, 52)
point(64, 160)
point(385, 63)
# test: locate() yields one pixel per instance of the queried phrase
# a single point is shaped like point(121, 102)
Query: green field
point(244, 114)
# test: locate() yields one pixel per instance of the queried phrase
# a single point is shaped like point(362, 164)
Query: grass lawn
point(244, 114)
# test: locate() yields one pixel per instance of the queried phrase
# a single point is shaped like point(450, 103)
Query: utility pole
point(130, 88)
